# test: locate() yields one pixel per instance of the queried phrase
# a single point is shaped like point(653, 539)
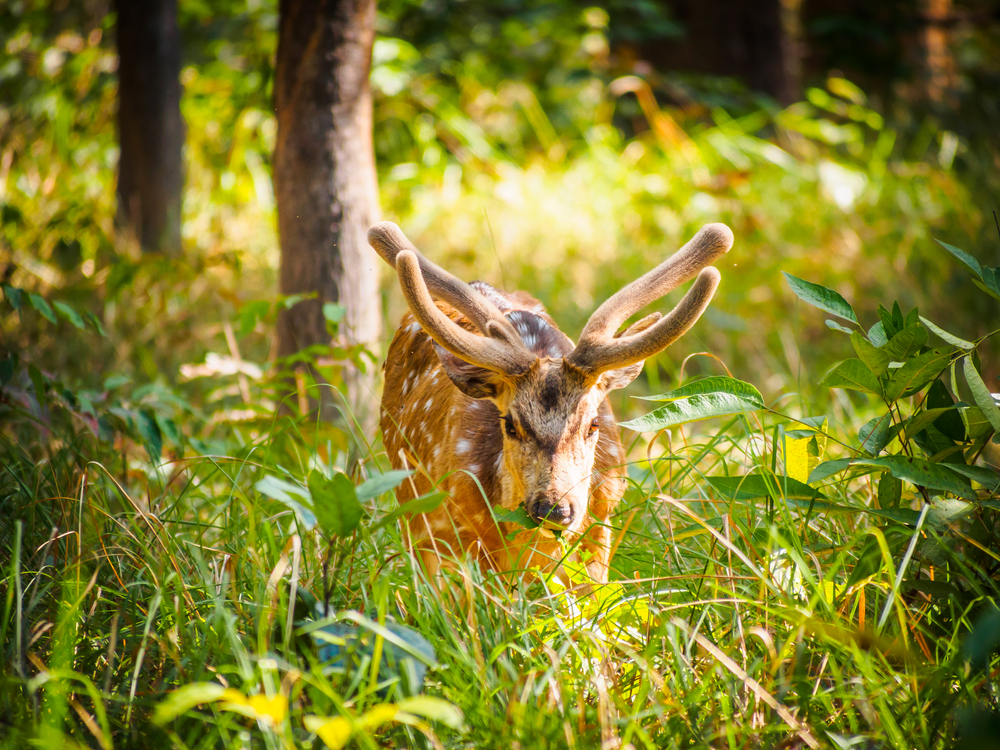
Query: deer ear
point(472, 380)
point(613, 379)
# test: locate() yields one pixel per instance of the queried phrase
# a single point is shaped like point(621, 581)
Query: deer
point(487, 400)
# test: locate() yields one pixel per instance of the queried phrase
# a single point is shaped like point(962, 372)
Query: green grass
point(729, 622)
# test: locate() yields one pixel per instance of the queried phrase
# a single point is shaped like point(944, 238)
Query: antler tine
point(490, 353)
point(389, 241)
point(711, 242)
point(595, 357)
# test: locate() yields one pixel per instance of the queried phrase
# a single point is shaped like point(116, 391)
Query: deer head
point(551, 396)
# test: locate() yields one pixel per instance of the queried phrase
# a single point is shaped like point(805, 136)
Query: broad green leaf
point(690, 409)
point(890, 490)
point(981, 394)
point(950, 423)
point(333, 312)
point(876, 434)
point(915, 374)
point(876, 334)
point(42, 306)
point(732, 386)
point(945, 510)
point(13, 295)
point(435, 709)
point(756, 486)
point(517, 516)
point(828, 469)
point(335, 503)
point(947, 337)
point(834, 325)
point(964, 257)
point(382, 483)
point(922, 420)
point(145, 423)
point(976, 423)
point(876, 360)
point(250, 313)
point(423, 504)
point(906, 343)
point(991, 278)
point(182, 700)
point(70, 314)
point(853, 374)
point(987, 477)
point(979, 646)
point(900, 515)
point(821, 297)
point(986, 288)
point(294, 496)
point(922, 473)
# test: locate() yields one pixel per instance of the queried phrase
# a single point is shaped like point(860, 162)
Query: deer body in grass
point(486, 399)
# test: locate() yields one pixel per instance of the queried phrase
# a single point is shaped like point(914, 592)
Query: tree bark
point(150, 126)
point(325, 182)
point(754, 40)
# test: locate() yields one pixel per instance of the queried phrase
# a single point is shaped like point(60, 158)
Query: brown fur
point(456, 443)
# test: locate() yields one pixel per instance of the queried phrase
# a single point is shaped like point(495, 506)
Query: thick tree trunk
point(324, 178)
point(150, 127)
point(754, 40)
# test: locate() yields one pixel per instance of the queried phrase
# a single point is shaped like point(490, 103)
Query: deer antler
point(389, 241)
point(491, 352)
point(599, 350)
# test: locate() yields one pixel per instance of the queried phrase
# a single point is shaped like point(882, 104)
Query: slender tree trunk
point(324, 179)
point(939, 65)
point(150, 127)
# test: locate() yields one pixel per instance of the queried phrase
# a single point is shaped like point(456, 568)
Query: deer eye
point(508, 426)
point(594, 427)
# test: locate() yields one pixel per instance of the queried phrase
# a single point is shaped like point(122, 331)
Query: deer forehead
point(553, 402)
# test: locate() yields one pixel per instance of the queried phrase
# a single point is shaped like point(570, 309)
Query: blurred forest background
point(551, 146)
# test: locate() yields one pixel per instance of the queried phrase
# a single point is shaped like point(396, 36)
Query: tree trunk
point(150, 127)
point(755, 40)
point(939, 65)
point(325, 182)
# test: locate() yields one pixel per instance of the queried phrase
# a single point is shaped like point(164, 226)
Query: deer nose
point(545, 511)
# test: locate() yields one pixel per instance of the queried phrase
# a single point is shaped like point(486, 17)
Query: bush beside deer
point(489, 401)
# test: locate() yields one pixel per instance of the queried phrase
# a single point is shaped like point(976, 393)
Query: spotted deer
point(489, 401)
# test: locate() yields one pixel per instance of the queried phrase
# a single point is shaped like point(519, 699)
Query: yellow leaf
point(378, 715)
point(272, 710)
point(334, 732)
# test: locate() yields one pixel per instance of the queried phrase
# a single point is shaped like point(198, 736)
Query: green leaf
point(964, 257)
point(690, 409)
point(945, 510)
point(922, 473)
point(96, 322)
point(182, 700)
point(876, 334)
point(7, 367)
point(294, 496)
point(987, 477)
point(732, 386)
point(923, 419)
point(435, 709)
point(947, 337)
point(756, 486)
point(876, 434)
point(981, 394)
point(976, 423)
point(874, 358)
point(335, 502)
point(853, 374)
point(915, 374)
point(906, 343)
point(821, 297)
point(950, 422)
point(42, 306)
point(333, 312)
point(70, 314)
point(991, 278)
point(423, 504)
point(986, 288)
point(149, 430)
point(834, 325)
point(13, 295)
point(382, 483)
point(890, 490)
point(828, 469)
point(518, 516)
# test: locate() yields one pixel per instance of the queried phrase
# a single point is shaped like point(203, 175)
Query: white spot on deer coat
point(462, 446)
